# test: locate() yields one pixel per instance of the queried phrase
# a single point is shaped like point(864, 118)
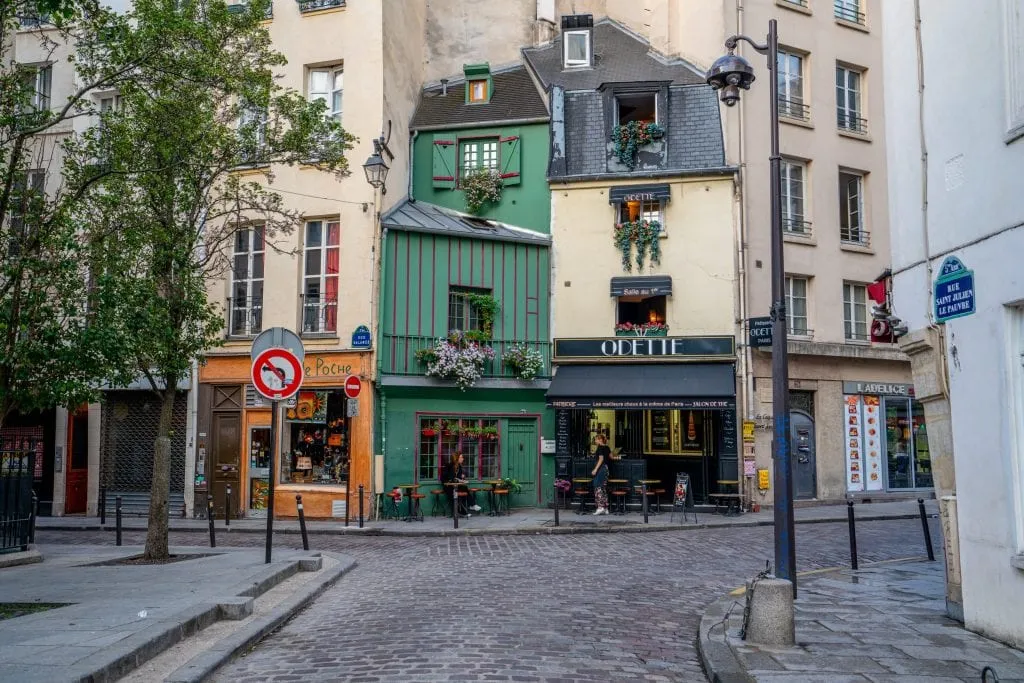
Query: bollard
point(348, 498)
point(227, 506)
point(455, 506)
point(32, 518)
point(210, 515)
point(853, 534)
point(556, 506)
point(103, 505)
point(302, 521)
point(927, 531)
point(117, 519)
point(643, 493)
point(361, 506)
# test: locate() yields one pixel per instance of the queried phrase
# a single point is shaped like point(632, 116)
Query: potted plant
point(511, 485)
point(470, 432)
point(456, 358)
point(628, 138)
point(641, 330)
point(486, 308)
point(489, 433)
point(524, 361)
point(430, 431)
point(481, 186)
point(646, 235)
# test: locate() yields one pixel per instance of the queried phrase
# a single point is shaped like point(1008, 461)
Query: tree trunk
point(156, 535)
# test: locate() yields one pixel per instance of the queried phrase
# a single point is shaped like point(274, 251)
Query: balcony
point(798, 3)
point(398, 356)
point(796, 226)
point(847, 11)
point(319, 317)
point(850, 122)
point(794, 109)
point(245, 317)
point(316, 5)
point(855, 236)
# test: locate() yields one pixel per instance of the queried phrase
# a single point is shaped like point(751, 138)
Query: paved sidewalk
point(884, 624)
point(116, 616)
point(521, 521)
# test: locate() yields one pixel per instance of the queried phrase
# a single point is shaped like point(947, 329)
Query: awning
point(649, 386)
point(634, 193)
point(644, 285)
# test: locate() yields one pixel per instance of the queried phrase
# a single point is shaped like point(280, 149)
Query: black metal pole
point(556, 505)
point(209, 517)
point(643, 494)
point(348, 498)
point(361, 506)
point(117, 522)
point(853, 534)
point(103, 505)
point(227, 506)
point(455, 506)
point(32, 520)
point(302, 521)
point(927, 531)
point(273, 475)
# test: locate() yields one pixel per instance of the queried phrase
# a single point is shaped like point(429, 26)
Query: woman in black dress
point(600, 474)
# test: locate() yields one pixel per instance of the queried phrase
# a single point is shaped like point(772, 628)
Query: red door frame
point(76, 481)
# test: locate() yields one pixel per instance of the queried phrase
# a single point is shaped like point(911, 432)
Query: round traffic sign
point(353, 385)
point(277, 374)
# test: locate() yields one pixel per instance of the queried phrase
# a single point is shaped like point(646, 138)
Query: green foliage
point(481, 186)
point(511, 485)
point(646, 235)
point(628, 138)
point(487, 308)
point(524, 361)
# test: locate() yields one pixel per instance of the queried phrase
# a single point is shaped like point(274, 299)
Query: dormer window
point(479, 84)
point(577, 48)
point(478, 91)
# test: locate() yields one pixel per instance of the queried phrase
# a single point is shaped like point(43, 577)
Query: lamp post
point(728, 75)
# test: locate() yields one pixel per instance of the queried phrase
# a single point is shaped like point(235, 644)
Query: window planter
point(457, 359)
point(482, 186)
point(645, 235)
point(641, 330)
point(628, 138)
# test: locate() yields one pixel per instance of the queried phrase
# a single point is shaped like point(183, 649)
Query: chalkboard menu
point(661, 431)
point(728, 434)
point(562, 432)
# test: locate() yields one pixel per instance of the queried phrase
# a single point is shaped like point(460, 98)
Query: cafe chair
point(501, 505)
point(440, 504)
point(618, 501)
point(417, 509)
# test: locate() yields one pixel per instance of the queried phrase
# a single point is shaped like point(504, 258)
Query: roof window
point(577, 41)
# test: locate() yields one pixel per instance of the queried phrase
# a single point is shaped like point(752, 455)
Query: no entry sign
point(277, 374)
point(353, 385)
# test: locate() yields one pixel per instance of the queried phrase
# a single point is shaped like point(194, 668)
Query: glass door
point(922, 456)
point(259, 470)
point(906, 444)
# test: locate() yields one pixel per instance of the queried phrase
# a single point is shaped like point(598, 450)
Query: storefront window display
point(477, 438)
point(909, 462)
point(316, 435)
point(259, 468)
point(886, 444)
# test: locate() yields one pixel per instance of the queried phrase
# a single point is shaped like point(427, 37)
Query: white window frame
point(854, 309)
point(650, 210)
point(332, 92)
point(1015, 391)
point(854, 6)
point(40, 79)
point(575, 63)
point(1013, 83)
point(787, 93)
point(478, 153)
point(853, 213)
point(321, 278)
point(791, 280)
point(792, 221)
point(846, 92)
point(251, 254)
point(249, 114)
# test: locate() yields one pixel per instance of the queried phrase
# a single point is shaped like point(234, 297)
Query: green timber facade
point(486, 276)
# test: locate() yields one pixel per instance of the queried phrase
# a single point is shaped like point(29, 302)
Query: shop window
point(637, 310)
point(320, 282)
point(246, 303)
point(906, 440)
point(640, 108)
point(316, 433)
point(477, 439)
point(463, 314)
point(647, 210)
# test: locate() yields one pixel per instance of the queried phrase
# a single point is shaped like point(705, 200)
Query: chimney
point(577, 41)
point(444, 87)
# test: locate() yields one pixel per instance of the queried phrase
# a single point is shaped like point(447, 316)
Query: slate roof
point(514, 98)
point(423, 217)
point(619, 57)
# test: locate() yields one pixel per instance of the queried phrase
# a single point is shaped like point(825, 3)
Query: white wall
point(974, 200)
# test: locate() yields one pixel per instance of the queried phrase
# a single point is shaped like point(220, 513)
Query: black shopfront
point(666, 404)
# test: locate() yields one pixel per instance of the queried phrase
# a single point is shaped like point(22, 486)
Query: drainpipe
point(924, 160)
point(191, 429)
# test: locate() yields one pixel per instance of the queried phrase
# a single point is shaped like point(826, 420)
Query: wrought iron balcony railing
point(850, 121)
point(314, 5)
point(849, 12)
point(245, 316)
point(855, 335)
point(798, 3)
point(855, 236)
point(398, 354)
point(319, 316)
point(796, 225)
point(794, 109)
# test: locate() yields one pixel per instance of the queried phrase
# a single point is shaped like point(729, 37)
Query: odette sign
point(634, 349)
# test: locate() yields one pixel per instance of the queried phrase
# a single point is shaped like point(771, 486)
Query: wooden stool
point(391, 510)
point(500, 500)
point(619, 501)
point(417, 510)
point(582, 495)
point(440, 503)
point(658, 493)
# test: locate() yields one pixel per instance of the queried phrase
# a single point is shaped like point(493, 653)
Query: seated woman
point(454, 474)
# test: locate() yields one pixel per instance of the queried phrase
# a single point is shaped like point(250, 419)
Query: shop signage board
point(361, 338)
point(748, 431)
point(547, 446)
point(954, 290)
point(879, 388)
point(760, 334)
point(640, 349)
point(763, 480)
point(352, 409)
point(863, 443)
point(639, 193)
point(277, 374)
point(749, 467)
point(277, 338)
point(645, 404)
point(353, 385)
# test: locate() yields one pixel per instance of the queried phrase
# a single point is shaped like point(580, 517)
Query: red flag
point(877, 292)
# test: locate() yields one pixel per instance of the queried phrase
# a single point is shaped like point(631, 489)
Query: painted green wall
point(526, 205)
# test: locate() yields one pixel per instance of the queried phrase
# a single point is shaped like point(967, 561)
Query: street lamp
point(375, 168)
point(730, 74)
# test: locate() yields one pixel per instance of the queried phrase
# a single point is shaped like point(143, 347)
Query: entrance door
point(521, 459)
point(227, 438)
point(76, 489)
point(805, 484)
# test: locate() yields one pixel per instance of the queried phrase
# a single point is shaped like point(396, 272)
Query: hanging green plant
point(481, 186)
point(645, 235)
point(487, 309)
point(628, 138)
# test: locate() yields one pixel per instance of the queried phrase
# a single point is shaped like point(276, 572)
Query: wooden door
point(521, 457)
point(227, 439)
point(76, 482)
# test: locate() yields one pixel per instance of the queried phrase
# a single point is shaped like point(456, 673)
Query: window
point(646, 210)
point(793, 192)
point(643, 107)
point(642, 311)
point(796, 305)
point(478, 90)
point(38, 83)
point(320, 282)
point(851, 208)
point(477, 154)
point(791, 86)
point(463, 314)
point(316, 433)
point(1013, 56)
point(246, 303)
point(849, 104)
point(477, 439)
point(855, 312)
point(849, 10)
point(27, 195)
point(577, 48)
point(326, 85)
point(252, 131)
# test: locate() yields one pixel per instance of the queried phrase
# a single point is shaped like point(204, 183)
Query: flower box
point(637, 333)
point(429, 433)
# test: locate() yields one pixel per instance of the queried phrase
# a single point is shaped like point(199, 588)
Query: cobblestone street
point(525, 608)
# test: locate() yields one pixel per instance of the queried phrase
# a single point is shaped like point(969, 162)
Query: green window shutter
point(509, 158)
point(444, 162)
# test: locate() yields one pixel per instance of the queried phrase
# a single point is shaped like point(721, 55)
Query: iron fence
point(319, 316)
point(17, 514)
point(854, 236)
point(796, 226)
point(794, 109)
point(399, 355)
point(849, 121)
point(245, 316)
point(849, 11)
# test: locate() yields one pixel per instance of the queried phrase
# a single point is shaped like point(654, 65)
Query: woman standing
point(600, 474)
point(454, 474)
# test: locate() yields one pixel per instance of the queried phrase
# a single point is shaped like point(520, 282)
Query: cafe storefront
point(666, 404)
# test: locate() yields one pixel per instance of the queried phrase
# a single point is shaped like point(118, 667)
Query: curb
point(514, 531)
point(721, 665)
point(205, 664)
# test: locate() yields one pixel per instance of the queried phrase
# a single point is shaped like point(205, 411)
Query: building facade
point(464, 346)
point(957, 217)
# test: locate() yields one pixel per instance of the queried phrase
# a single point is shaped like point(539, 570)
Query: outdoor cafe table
point(646, 483)
point(409, 489)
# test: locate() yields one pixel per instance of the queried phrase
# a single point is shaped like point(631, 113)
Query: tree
point(171, 198)
point(56, 346)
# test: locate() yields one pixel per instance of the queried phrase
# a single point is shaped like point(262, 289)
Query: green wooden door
point(521, 460)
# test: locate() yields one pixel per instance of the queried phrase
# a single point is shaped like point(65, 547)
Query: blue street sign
point(954, 290)
point(361, 338)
